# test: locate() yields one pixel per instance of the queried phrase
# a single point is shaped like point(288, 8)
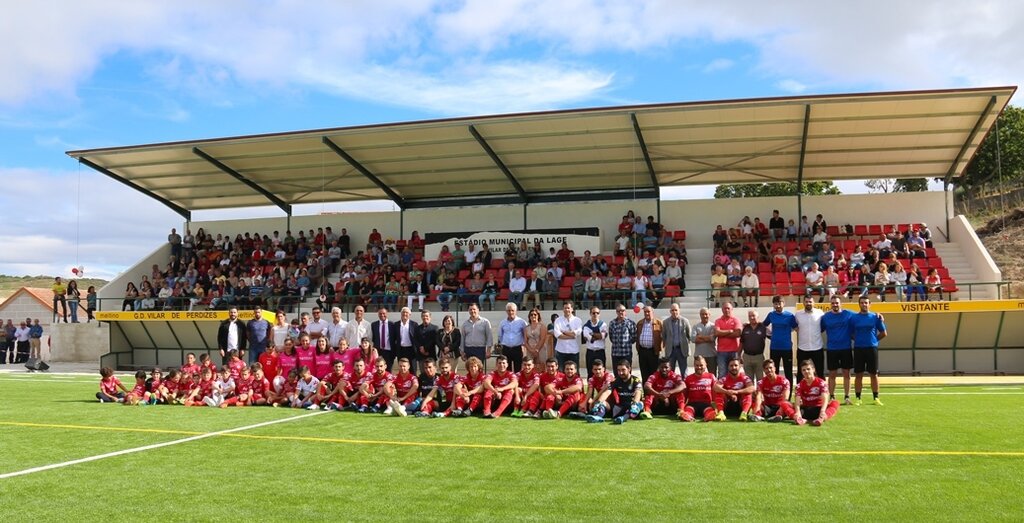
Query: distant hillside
point(10, 284)
point(1003, 236)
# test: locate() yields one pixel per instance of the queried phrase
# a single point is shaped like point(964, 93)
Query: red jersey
point(499, 379)
point(774, 392)
point(236, 367)
point(379, 380)
point(471, 382)
point(446, 382)
point(323, 364)
point(244, 386)
point(406, 383)
point(209, 365)
point(659, 383)
point(139, 389)
point(205, 388)
point(191, 369)
point(549, 379)
point(699, 388)
point(598, 383)
point(564, 381)
point(109, 385)
point(306, 356)
point(737, 382)
point(285, 363)
point(269, 362)
point(333, 379)
point(171, 386)
point(812, 394)
point(528, 380)
point(154, 385)
point(356, 380)
point(260, 386)
point(288, 388)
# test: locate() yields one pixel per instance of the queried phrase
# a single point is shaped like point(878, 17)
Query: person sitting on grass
point(374, 398)
point(663, 392)
point(527, 394)
point(138, 393)
point(598, 381)
point(699, 392)
point(623, 399)
point(402, 390)
point(565, 392)
point(770, 401)
point(109, 387)
point(201, 389)
point(444, 390)
point(734, 394)
point(223, 390)
point(260, 386)
point(499, 387)
point(812, 398)
point(469, 391)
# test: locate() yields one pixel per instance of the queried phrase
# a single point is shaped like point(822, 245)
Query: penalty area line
point(143, 448)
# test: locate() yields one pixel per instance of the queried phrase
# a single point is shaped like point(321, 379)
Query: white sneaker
point(388, 411)
point(401, 411)
point(313, 406)
point(394, 405)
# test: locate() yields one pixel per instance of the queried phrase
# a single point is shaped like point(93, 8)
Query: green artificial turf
point(351, 467)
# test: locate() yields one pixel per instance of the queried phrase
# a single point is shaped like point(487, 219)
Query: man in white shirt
point(317, 326)
point(814, 280)
point(406, 333)
point(567, 331)
point(516, 287)
point(809, 342)
point(358, 328)
point(231, 336)
point(335, 331)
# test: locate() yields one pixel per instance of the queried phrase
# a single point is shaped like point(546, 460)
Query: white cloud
point(791, 86)
point(718, 64)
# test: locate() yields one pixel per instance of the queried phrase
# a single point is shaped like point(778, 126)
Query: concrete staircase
point(960, 270)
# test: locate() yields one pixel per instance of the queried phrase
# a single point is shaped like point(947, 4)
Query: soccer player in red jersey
point(170, 388)
point(566, 392)
point(154, 386)
point(268, 362)
point(235, 365)
point(109, 385)
point(323, 359)
point(500, 385)
point(223, 389)
point(444, 390)
point(332, 388)
point(699, 392)
point(205, 362)
point(469, 392)
point(548, 378)
point(201, 390)
point(402, 390)
point(770, 402)
point(734, 394)
point(812, 399)
point(599, 380)
point(260, 386)
point(375, 398)
point(357, 384)
point(528, 395)
point(190, 367)
point(663, 391)
point(243, 389)
point(138, 393)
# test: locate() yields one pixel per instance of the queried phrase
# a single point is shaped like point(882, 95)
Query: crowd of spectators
point(754, 259)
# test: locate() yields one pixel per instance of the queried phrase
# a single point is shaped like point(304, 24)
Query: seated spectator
point(933, 283)
point(916, 246)
point(777, 227)
point(760, 230)
point(915, 284)
point(900, 246)
point(626, 226)
point(658, 282)
point(826, 256)
point(649, 241)
point(819, 240)
point(592, 290)
point(600, 264)
point(882, 280)
point(883, 245)
point(488, 293)
point(622, 242)
point(779, 261)
point(795, 262)
point(819, 225)
point(623, 287)
point(641, 285)
point(764, 250)
point(745, 228)
point(832, 282)
point(805, 228)
point(720, 237)
point(719, 282)
point(814, 280)
point(720, 258)
point(898, 276)
point(674, 273)
point(926, 235)
point(750, 286)
point(733, 246)
point(841, 263)
point(516, 288)
point(792, 231)
point(551, 286)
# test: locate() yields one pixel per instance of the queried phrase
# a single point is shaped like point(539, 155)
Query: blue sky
point(108, 73)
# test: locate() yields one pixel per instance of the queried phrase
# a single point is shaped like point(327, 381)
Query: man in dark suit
point(405, 338)
point(425, 339)
point(535, 288)
point(231, 336)
point(384, 337)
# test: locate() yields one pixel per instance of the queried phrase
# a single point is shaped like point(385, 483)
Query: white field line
point(154, 446)
point(993, 393)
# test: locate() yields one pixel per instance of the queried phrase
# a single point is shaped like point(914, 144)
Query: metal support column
point(956, 339)
point(995, 345)
point(800, 169)
point(913, 346)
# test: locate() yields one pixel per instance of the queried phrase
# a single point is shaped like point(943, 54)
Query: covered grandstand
point(585, 168)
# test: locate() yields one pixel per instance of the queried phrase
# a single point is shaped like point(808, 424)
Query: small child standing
point(109, 385)
point(90, 303)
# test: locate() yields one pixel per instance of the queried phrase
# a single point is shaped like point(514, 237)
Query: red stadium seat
point(860, 230)
point(679, 236)
point(874, 230)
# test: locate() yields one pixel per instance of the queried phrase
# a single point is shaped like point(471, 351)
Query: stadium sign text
point(497, 242)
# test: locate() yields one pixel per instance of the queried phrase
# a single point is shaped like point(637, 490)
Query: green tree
point(1011, 152)
point(756, 190)
point(887, 185)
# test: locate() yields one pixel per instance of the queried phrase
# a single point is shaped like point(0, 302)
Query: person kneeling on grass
point(528, 396)
point(734, 394)
point(500, 386)
point(469, 391)
point(201, 390)
point(699, 392)
point(402, 390)
point(305, 389)
point(566, 393)
point(109, 385)
point(138, 393)
point(663, 391)
point(772, 392)
point(812, 399)
point(622, 399)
